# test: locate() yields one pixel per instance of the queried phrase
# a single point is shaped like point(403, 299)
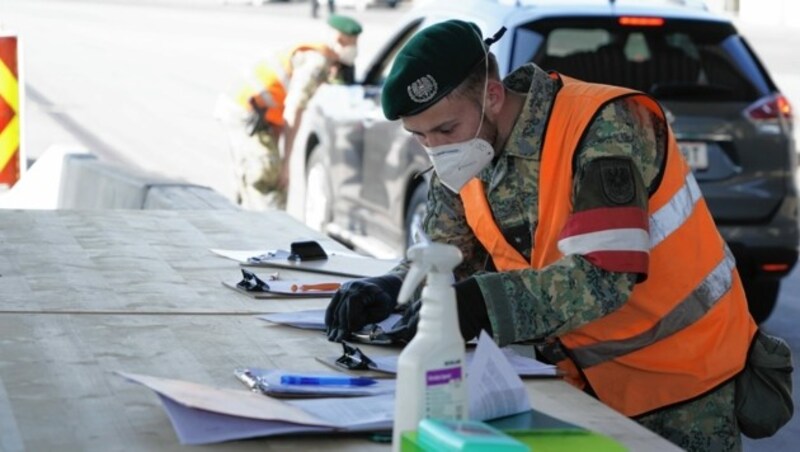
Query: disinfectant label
point(443, 395)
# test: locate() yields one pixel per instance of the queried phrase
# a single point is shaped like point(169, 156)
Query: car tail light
point(775, 267)
point(770, 107)
point(631, 21)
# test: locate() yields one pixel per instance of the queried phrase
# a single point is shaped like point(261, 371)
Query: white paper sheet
point(337, 263)
point(493, 385)
point(314, 319)
point(356, 413)
point(231, 402)
point(242, 256)
point(194, 426)
point(311, 319)
point(521, 365)
point(203, 414)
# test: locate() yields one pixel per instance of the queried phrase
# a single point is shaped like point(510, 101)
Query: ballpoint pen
point(323, 380)
point(319, 286)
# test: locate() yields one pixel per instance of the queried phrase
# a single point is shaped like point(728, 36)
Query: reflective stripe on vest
point(673, 214)
point(683, 331)
point(690, 310)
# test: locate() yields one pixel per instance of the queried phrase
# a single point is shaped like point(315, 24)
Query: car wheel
point(415, 212)
point(318, 192)
point(761, 298)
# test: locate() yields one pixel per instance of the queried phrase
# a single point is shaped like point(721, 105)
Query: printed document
point(203, 414)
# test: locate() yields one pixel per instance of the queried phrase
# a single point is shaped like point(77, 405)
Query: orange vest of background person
point(684, 330)
point(10, 151)
point(270, 81)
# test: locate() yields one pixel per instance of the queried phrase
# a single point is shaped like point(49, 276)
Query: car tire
point(415, 212)
point(761, 298)
point(318, 202)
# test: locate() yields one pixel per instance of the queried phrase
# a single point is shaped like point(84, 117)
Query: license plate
point(695, 153)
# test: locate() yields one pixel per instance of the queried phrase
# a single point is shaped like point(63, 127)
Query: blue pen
point(326, 380)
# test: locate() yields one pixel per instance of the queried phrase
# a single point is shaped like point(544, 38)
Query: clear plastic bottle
point(431, 378)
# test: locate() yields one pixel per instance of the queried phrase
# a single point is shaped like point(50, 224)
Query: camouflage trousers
point(257, 166)
point(707, 423)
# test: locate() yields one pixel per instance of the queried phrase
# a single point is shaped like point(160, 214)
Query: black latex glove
point(361, 302)
point(472, 314)
point(404, 330)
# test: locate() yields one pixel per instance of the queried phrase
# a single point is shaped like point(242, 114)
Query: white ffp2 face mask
point(347, 54)
point(457, 163)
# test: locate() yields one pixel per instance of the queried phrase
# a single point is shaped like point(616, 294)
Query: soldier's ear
point(495, 96)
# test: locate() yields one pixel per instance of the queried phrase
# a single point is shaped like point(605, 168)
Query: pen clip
point(250, 380)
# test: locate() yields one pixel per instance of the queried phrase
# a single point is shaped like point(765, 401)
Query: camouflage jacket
point(530, 304)
point(310, 69)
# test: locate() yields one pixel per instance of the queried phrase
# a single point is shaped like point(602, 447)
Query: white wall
point(770, 12)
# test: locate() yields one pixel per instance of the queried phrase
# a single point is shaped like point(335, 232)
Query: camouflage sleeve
point(530, 304)
point(626, 128)
point(445, 223)
point(309, 72)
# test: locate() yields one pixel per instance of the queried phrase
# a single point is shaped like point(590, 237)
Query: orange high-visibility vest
point(10, 151)
point(268, 88)
point(686, 329)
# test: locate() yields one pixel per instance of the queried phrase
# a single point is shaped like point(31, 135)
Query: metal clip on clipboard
point(354, 359)
point(251, 283)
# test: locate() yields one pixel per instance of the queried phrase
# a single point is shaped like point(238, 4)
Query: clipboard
point(333, 263)
point(258, 288)
point(278, 294)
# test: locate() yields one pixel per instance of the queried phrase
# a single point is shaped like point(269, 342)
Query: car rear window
point(680, 59)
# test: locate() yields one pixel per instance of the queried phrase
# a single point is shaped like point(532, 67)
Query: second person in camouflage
point(269, 104)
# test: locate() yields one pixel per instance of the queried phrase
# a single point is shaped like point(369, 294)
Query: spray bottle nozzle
point(428, 257)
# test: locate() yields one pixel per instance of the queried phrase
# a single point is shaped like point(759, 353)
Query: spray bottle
point(431, 378)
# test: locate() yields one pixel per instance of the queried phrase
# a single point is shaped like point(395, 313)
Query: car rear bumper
point(766, 251)
point(763, 264)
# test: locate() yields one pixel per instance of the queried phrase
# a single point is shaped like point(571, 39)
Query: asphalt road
point(136, 82)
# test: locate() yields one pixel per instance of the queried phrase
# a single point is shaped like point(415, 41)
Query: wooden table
point(87, 293)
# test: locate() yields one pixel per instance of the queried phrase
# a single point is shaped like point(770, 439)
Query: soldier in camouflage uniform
point(287, 81)
point(558, 298)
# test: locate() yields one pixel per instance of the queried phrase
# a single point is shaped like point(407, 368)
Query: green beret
point(345, 25)
point(433, 63)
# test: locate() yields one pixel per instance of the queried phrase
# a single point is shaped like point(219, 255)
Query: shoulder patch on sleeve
point(617, 179)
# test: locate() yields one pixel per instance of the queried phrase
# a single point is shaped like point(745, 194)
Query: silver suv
point(357, 176)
